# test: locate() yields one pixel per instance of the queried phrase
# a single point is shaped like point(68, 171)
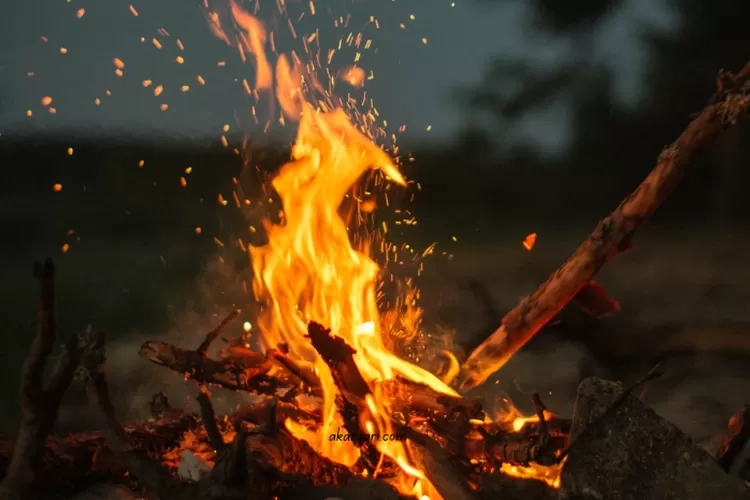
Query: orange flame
point(254, 42)
point(309, 270)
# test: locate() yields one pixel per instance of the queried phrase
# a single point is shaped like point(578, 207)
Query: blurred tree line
point(612, 145)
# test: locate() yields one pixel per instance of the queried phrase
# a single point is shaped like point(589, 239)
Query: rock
point(502, 487)
point(357, 488)
point(634, 454)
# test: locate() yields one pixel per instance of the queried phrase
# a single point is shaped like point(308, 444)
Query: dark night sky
point(412, 84)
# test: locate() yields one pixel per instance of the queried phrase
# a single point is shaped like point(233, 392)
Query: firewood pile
point(614, 446)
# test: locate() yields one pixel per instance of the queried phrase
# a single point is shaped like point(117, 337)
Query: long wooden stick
point(613, 235)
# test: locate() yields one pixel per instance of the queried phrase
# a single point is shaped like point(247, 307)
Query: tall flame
point(309, 270)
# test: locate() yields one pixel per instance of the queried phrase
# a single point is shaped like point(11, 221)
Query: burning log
point(440, 468)
point(613, 235)
point(493, 449)
point(339, 357)
point(239, 368)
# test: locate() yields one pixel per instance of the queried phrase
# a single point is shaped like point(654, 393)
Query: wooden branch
point(147, 472)
point(208, 416)
point(613, 234)
point(738, 434)
point(306, 376)
point(339, 356)
point(213, 334)
point(39, 405)
point(226, 373)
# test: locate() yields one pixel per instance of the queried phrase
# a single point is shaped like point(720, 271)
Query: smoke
point(699, 391)
point(134, 381)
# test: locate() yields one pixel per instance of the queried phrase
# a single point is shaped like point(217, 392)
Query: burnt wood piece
point(225, 373)
point(737, 436)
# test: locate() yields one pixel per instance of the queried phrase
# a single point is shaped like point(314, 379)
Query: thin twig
point(543, 429)
point(143, 469)
point(208, 416)
point(213, 334)
point(438, 466)
point(612, 235)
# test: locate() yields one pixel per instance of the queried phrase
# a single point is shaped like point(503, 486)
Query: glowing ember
point(353, 75)
point(529, 241)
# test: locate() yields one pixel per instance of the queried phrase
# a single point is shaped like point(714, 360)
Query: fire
point(550, 475)
point(309, 269)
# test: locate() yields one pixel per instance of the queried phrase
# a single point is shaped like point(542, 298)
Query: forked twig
point(213, 334)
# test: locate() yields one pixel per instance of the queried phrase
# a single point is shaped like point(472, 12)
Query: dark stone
point(357, 488)
point(502, 487)
point(634, 454)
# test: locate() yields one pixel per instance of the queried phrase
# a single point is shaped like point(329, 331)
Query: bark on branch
point(613, 234)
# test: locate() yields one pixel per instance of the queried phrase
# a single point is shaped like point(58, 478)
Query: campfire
point(337, 404)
